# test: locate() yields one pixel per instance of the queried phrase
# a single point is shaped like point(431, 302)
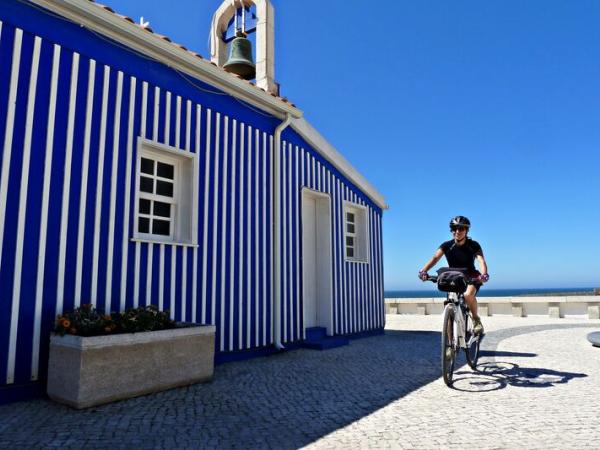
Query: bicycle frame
point(457, 302)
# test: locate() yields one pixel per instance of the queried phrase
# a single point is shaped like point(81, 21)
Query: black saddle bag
point(450, 280)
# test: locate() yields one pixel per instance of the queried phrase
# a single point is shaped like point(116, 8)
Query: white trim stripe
point(127, 198)
point(205, 222)
point(20, 238)
point(108, 295)
point(99, 183)
point(232, 248)
point(8, 136)
point(223, 210)
point(64, 219)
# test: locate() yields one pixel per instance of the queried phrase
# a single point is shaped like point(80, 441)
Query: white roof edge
point(316, 140)
point(97, 19)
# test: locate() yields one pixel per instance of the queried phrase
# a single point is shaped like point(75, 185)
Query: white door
point(309, 260)
point(316, 260)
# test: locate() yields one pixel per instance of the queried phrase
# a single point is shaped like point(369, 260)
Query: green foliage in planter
point(87, 321)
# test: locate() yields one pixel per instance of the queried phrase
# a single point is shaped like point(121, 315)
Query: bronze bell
point(240, 58)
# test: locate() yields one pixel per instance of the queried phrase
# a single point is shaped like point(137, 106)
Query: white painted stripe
point(195, 250)
point(138, 245)
point(167, 139)
point(264, 240)
point(8, 137)
point(188, 125)
point(283, 228)
point(289, 235)
point(215, 223)
point(155, 117)
point(234, 239)
point(99, 182)
point(248, 249)
point(302, 327)
point(256, 238)
point(22, 211)
point(240, 241)
point(161, 278)
point(319, 187)
point(173, 280)
point(178, 122)
point(149, 274)
point(336, 254)
point(332, 259)
point(126, 199)
point(374, 302)
point(184, 270)
point(84, 181)
point(224, 227)
point(150, 245)
point(380, 299)
point(64, 219)
point(270, 230)
point(297, 194)
point(205, 222)
point(113, 194)
point(313, 173)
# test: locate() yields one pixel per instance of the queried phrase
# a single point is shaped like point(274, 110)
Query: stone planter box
point(89, 371)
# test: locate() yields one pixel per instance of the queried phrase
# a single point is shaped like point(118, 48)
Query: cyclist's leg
point(471, 299)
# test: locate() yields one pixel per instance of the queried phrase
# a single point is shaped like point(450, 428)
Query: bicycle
point(457, 331)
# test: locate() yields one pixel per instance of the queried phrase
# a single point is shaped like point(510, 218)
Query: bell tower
point(259, 15)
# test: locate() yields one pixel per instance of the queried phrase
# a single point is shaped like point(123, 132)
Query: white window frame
point(360, 235)
point(184, 208)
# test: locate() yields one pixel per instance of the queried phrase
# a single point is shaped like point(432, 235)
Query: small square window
point(166, 170)
point(164, 188)
point(162, 209)
point(356, 238)
point(166, 209)
point(147, 185)
point(147, 166)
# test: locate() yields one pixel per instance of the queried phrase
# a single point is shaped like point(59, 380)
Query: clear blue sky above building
point(486, 109)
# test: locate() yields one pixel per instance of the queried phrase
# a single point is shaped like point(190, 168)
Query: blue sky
point(486, 109)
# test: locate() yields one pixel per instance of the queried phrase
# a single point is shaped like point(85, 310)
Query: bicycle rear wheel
point(448, 348)
point(472, 341)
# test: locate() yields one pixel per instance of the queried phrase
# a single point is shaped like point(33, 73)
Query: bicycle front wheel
point(472, 341)
point(448, 348)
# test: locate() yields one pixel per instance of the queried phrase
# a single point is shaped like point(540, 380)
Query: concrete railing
point(554, 306)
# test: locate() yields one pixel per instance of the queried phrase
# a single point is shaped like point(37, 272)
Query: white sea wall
point(520, 306)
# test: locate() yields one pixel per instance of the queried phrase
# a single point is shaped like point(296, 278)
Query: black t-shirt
point(461, 256)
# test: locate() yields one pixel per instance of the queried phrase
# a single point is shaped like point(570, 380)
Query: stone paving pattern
point(537, 386)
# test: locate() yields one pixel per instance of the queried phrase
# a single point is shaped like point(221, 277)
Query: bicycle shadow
point(495, 375)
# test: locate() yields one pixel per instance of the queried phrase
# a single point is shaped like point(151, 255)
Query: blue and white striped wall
point(72, 108)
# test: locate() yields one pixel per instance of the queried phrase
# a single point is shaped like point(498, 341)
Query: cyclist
point(461, 252)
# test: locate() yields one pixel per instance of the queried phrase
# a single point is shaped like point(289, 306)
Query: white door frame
point(323, 259)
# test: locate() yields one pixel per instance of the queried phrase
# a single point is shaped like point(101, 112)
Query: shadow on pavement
point(282, 401)
point(495, 375)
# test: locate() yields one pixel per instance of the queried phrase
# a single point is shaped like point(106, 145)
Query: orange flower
point(65, 323)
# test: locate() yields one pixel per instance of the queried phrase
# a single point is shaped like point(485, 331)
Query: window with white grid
point(164, 207)
point(355, 232)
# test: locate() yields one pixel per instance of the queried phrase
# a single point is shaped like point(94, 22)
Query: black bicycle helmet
point(460, 221)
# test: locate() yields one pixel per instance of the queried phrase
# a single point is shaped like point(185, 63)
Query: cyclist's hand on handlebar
point(484, 277)
point(423, 275)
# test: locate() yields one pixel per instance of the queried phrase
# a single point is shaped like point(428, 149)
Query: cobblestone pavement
point(536, 386)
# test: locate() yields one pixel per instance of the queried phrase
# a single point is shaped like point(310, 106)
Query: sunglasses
point(455, 229)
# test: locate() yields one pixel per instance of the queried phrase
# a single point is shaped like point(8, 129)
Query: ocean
point(494, 292)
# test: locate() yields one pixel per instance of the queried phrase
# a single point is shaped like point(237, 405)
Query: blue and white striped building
point(134, 172)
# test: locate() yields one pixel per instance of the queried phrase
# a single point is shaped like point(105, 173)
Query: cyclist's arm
point(482, 264)
point(434, 260)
